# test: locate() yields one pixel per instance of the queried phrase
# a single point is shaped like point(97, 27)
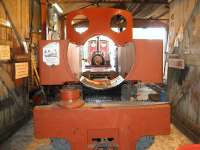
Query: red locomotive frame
point(125, 124)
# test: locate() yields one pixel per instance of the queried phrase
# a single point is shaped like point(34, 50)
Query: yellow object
point(4, 52)
point(21, 70)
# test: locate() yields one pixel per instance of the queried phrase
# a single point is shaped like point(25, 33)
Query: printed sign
point(21, 70)
point(176, 63)
point(4, 52)
point(51, 54)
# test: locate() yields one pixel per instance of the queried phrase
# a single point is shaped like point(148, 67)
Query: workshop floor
point(24, 140)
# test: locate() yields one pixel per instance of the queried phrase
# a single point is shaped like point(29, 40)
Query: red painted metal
point(126, 124)
point(148, 66)
point(71, 104)
point(148, 60)
point(148, 53)
point(69, 94)
point(70, 98)
point(55, 75)
point(99, 24)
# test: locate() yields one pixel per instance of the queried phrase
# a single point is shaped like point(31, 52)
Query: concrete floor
point(24, 140)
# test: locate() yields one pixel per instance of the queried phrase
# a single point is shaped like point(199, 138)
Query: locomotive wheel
point(60, 144)
point(145, 142)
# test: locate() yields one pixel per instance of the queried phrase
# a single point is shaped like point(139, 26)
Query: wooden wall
point(180, 14)
point(184, 84)
point(19, 13)
point(14, 97)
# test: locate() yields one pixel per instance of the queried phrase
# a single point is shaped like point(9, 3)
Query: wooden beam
point(156, 23)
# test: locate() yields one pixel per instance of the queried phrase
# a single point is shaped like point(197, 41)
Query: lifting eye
point(80, 23)
point(118, 23)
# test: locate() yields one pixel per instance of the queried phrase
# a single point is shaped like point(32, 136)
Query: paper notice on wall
point(51, 54)
point(21, 70)
point(4, 52)
point(177, 63)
